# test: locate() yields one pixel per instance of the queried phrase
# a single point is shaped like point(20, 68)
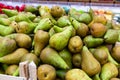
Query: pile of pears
point(64, 44)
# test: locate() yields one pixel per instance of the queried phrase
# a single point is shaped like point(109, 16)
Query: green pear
point(76, 74)
point(81, 28)
point(108, 71)
point(51, 56)
point(25, 27)
point(14, 57)
point(75, 44)
point(9, 12)
point(90, 41)
point(115, 79)
point(89, 64)
point(96, 77)
point(12, 18)
point(37, 19)
point(3, 16)
point(7, 46)
point(44, 24)
point(22, 40)
point(60, 40)
point(30, 8)
point(111, 36)
point(6, 30)
point(14, 25)
point(110, 58)
point(30, 15)
point(63, 21)
point(41, 39)
point(108, 24)
point(76, 60)
point(67, 57)
point(5, 21)
point(22, 17)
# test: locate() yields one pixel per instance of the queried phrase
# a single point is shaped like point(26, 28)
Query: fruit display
point(64, 44)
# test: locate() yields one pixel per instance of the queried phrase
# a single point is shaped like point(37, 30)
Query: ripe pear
point(115, 79)
point(30, 57)
point(76, 60)
point(5, 21)
point(57, 11)
point(7, 46)
point(101, 56)
point(89, 64)
point(108, 68)
point(98, 30)
point(9, 12)
point(116, 53)
point(51, 32)
point(11, 69)
point(14, 24)
point(41, 39)
point(51, 56)
point(76, 74)
point(60, 40)
point(30, 8)
point(14, 57)
point(22, 40)
point(3, 16)
point(46, 72)
point(75, 44)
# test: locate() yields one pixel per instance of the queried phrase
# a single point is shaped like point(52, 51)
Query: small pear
point(5, 21)
point(108, 68)
point(89, 64)
point(9, 12)
point(75, 44)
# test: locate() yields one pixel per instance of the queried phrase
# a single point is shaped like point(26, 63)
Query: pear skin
point(14, 57)
point(51, 56)
point(9, 12)
point(89, 64)
point(41, 39)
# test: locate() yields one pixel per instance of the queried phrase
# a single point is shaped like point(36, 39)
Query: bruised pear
point(41, 39)
point(57, 11)
point(75, 44)
point(46, 72)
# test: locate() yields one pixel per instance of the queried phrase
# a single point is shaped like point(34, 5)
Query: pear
point(12, 18)
point(76, 74)
point(57, 11)
point(110, 58)
point(108, 71)
point(14, 57)
point(98, 29)
point(9, 12)
point(30, 8)
point(44, 24)
point(11, 69)
point(7, 46)
point(46, 72)
point(81, 28)
point(41, 39)
point(96, 77)
point(30, 15)
point(115, 25)
point(75, 44)
point(6, 30)
point(116, 53)
point(85, 18)
point(60, 40)
point(76, 60)
point(67, 57)
point(14, 25)
point(61, 74)
point(108, 24)
point(51, 56)
point(90, 41)
point(3, 16)
point(5, 21)
point(89, 64)
point(37, 19)
point(63, 21)
point(101, 56)
point(111, 36)
point(25, 27)
point(30, 57)
point(22, 40)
